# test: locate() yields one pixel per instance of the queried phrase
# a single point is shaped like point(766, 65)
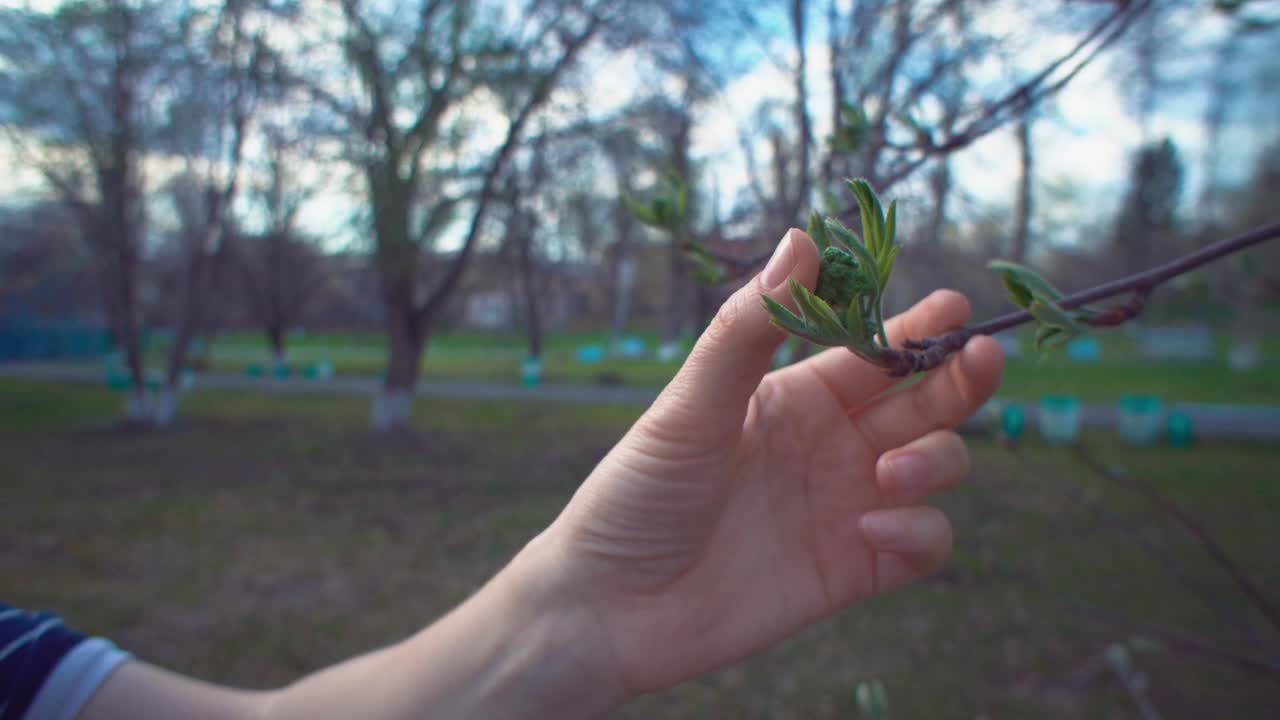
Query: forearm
point(515, 649)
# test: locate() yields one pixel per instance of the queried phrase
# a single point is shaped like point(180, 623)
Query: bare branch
point(1194, 527)
point(542, 90)
point(921, 355)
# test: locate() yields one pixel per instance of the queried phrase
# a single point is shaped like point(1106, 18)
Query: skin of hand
point(743, 505)
point(747, 504)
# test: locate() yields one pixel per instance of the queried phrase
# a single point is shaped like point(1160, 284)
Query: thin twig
point(1193, 526)
point(1170, 562)
point(920, 355)
point(1170, 638)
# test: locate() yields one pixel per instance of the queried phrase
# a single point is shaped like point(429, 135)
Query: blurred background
point(276, 277)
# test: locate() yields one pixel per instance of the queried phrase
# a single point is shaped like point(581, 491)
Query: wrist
point(525, 645)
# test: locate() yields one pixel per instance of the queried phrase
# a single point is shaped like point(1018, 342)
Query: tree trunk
point(797, 203)
point(397, 258)
point(1022, 211)
point(829, 161)
point(277, 322)
point(393, 406)
point(523, 231)
point(704, 306)
point(623, 282)
point(677, 306)
point(276, 338)
point(621, 272)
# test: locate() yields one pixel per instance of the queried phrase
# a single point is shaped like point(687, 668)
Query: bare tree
point(876, 67)
point(621, 150)
point(221, 81)
point(106, 84)
point(416, 67)
point(281, 267)
point(82, 109)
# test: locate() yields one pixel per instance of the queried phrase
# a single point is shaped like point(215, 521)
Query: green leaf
point(791, 323)
point(706, 268)
point(891, 227)
point(1050, 314)
point(871, 212)
point(860, 253)
point(837, 231)
point(681, 197)
point(1030, 279)
point(642, 211)
point(1051, 337)
point(818, 231)
point(886, 266)
point(1044, 335)
point(783, 317)
point(856, 324)
point(1019, 293)
point(872, 700)
point(817, 313)
point(869, 266)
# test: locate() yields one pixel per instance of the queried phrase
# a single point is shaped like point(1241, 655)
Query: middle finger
point(926, 465)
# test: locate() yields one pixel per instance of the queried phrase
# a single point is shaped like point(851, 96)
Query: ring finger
point(926, 465)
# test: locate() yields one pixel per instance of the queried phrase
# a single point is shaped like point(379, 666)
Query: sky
point(1084, 137)
point(1083, 140)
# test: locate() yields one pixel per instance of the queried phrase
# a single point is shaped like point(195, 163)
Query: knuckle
point(956, 453)
point(922, 405)
point(953, 304)
point(940, 533)
point(726, 318)
point(960, 401)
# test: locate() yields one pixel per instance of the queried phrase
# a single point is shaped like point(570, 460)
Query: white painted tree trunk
point(137, 409)
point(153, 409)
point(392, 410)
point(164, 406)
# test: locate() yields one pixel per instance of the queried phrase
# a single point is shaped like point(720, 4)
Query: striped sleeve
point(48, 670)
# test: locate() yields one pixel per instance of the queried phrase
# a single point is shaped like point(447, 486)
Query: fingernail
point(908, 473)
point(881, 530)
point(780, 265)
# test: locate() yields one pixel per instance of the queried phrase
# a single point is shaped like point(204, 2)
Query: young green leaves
point(667, 209)
point(844, 308)
point(1054, 326)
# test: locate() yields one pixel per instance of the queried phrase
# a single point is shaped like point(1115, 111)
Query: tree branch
point(921, 355)
point(1024, 96)
point(1193, 526)
point(1176, 640)
point(1208, 595)
point(542, 90)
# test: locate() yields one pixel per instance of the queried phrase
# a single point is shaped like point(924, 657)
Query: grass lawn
point(497, 357)
point(266, 536)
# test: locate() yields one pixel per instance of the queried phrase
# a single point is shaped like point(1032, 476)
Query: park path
point(1260, 422)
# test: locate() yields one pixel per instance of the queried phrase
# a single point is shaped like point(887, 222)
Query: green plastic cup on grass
point(1059, 419)
point(531, 372)
point(1140, 418)
point(1181, 433)
point(1013, 420)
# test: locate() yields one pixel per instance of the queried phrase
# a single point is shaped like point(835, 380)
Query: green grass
point(266, 536)
point(497, 357)
point(487, 356)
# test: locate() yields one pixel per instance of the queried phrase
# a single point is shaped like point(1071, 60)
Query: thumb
point(713, 388)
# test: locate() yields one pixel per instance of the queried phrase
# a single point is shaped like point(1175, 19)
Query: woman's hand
point(743, 505)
